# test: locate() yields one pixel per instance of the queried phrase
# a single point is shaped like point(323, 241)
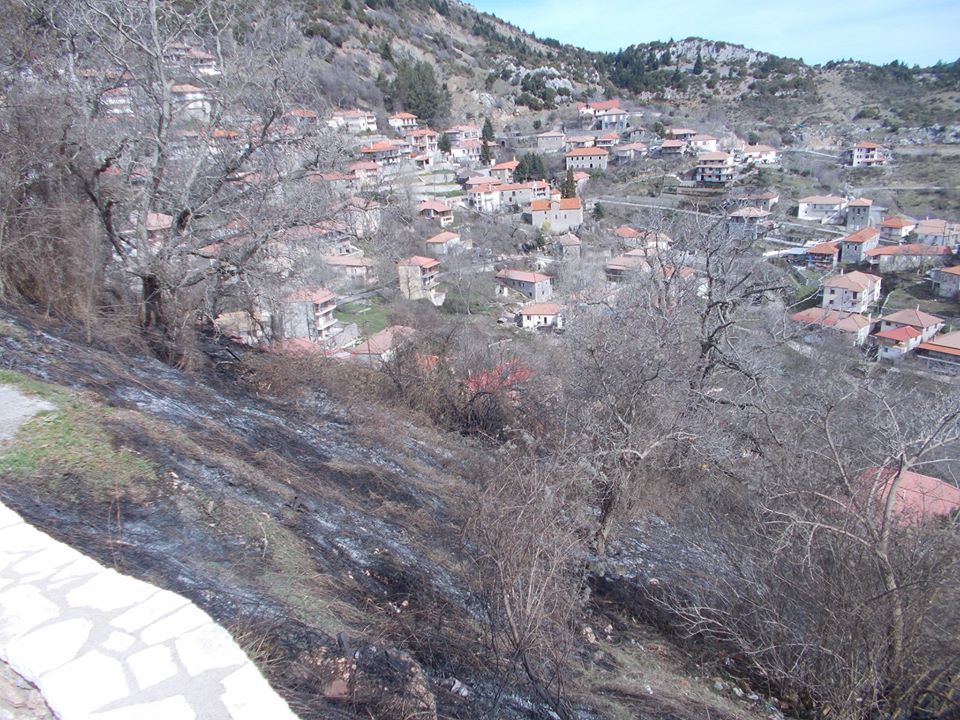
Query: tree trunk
point(152, 302)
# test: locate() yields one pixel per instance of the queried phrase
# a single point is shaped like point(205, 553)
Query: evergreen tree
point(569, 187)
point(443, 144)
point(417, 90)
point(598, 212)
point(530, 168)
point(487, 133)
point(486, 157)
point(698, 64)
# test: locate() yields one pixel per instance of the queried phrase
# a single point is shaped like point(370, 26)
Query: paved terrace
point(98, 644)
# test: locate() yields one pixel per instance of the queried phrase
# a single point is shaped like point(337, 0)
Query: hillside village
point(464, 373)
point(843, 253)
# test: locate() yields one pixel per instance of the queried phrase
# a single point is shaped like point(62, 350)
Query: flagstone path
point(98, 644)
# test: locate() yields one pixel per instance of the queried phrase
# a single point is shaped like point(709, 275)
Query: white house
point(715, 168)
point(484, 198)
point(903, 331)
point(868, 154)
point(191, 100)
point(701, 143)
point(538, 315)
point(418, 276)
point(852, 292)
point(354, 121)
point(562, 215)
point(822, 208)
point(761, 155)
point(402, 122)
point(523, 194)
point(896, 228)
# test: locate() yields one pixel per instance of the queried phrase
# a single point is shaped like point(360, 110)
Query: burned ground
point(327, 540)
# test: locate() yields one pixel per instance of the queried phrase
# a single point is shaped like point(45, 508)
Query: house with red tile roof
point(942, 351)
point(533, 285)
point(938, 232)
point(854, 292)
point(484, 198)
point(608, 140)
point(357, 269)
point(418, 276)
point(628, 152)
point(550, 141)
point(945, 281)
point(896, 228)
point(680, 133)
point(893, 258)
point(673, 148)
point(868, 154)
point(903, 331)
point(522, 194)
point(917, 497)
point(557, 215)
point(623, 267)
point(436, 210)
point(382, 346)
point(761, 155)
point(824, 255)
point(504, 171)
point(715, 168)
point(703, 143)
point(444, 243)
point(853, 247)
point(540, 315)
point(858, 213)
point(593, 158)
point(308, 314)
point(402, 122)
point(853, 325)
point(354, 121)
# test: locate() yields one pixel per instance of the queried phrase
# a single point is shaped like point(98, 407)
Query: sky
point(917, 32)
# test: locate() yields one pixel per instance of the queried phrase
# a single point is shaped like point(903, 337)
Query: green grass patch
point(909, 296)
point(370, 318)
point(69, 445)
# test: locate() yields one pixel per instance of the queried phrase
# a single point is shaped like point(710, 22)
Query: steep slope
point(326, 537)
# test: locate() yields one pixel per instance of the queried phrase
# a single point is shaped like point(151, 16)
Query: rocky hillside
point(494, 68)
point(328, 537)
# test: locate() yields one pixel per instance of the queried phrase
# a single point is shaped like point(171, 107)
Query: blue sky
point(918, 32)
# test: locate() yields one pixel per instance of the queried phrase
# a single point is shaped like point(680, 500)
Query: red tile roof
point(948, 344)
point(849, 322)
point(899, 334)
point(898, 222)
point(914, 318)
point(318, 296)
point(917, 496)
point(862, 236)
point(523, 276)
point(540, 309)
point(855, 280)
point(827, 248)
point(587, 152)
point(423, 262)
point(909, 249)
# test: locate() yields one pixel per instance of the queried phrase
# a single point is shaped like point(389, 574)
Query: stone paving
point(98, 644)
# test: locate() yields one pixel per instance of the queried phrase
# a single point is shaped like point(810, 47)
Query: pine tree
point(486, 157)
point(443, 144)
point(487, 133)
point(569, 187)
point(698, 64)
